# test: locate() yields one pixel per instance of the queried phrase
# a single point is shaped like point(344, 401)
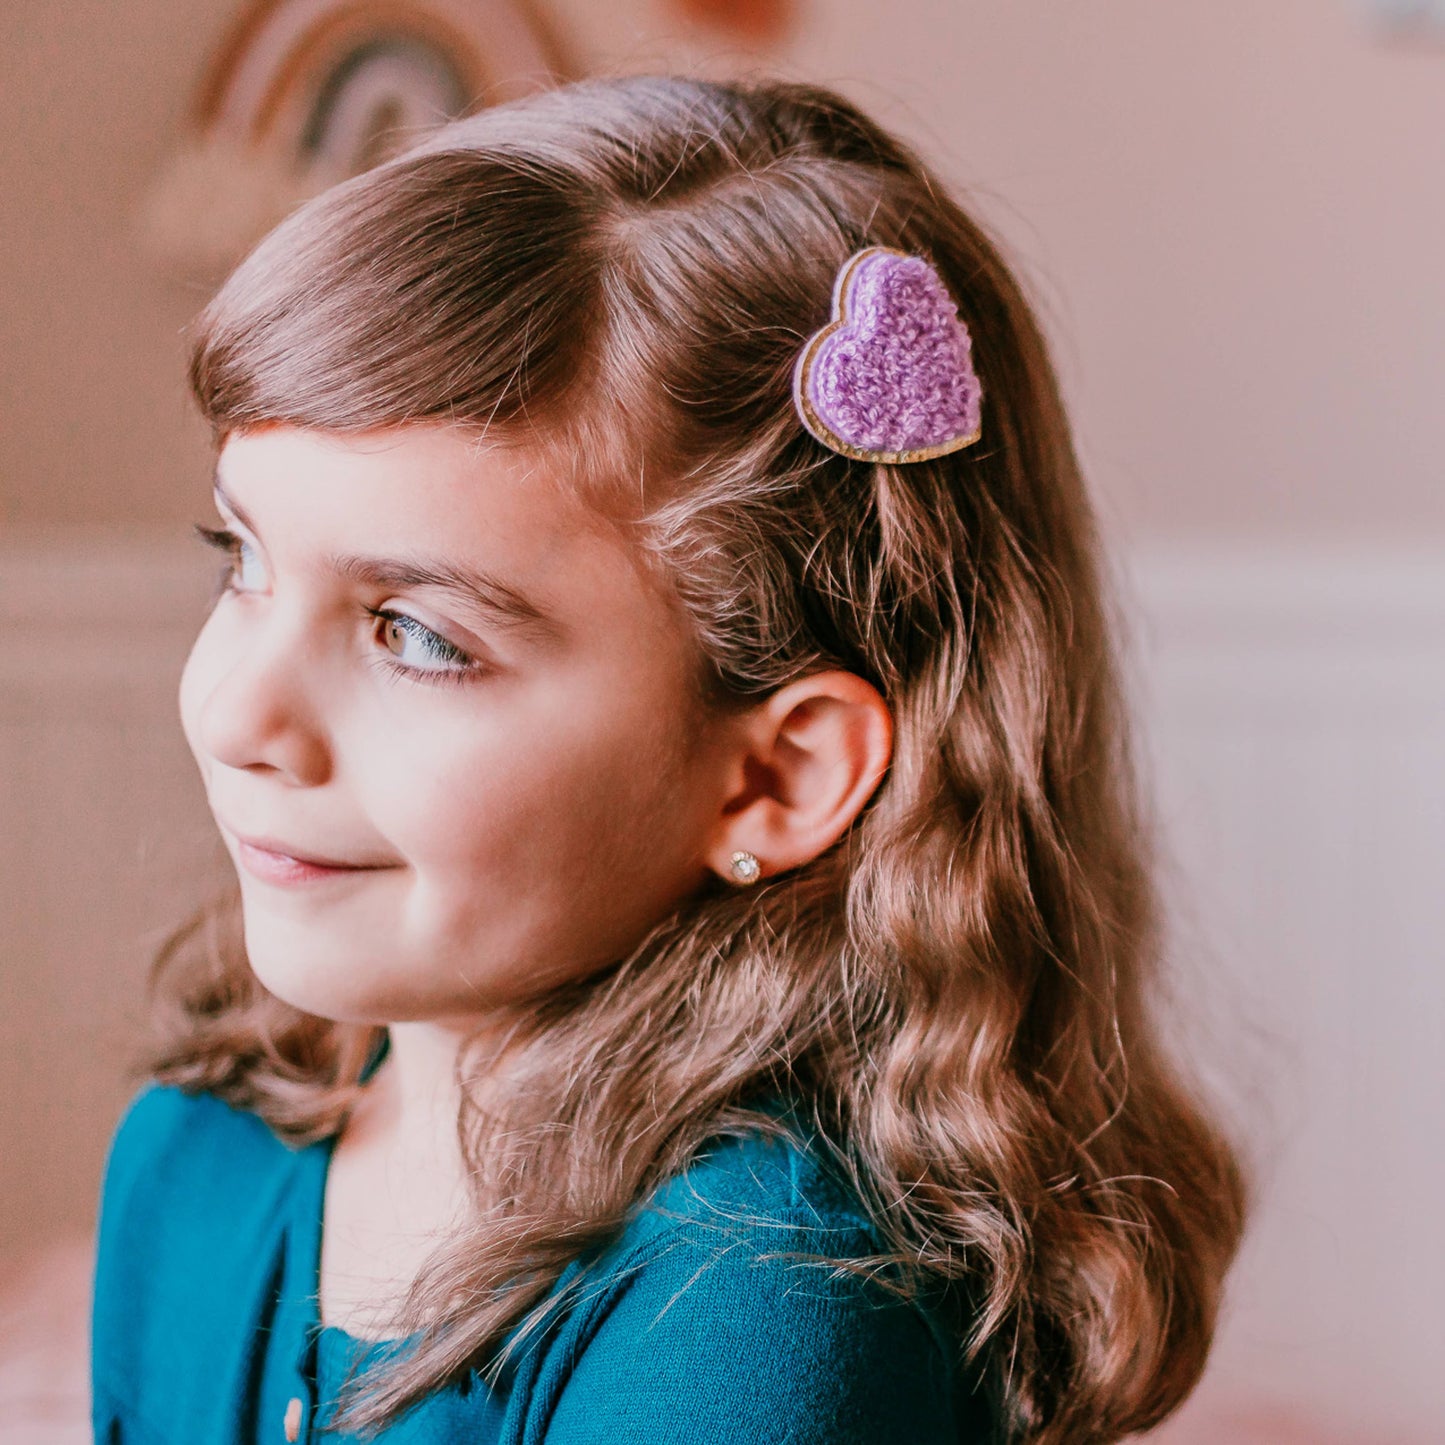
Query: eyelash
point(227, 543)
point(461, 666)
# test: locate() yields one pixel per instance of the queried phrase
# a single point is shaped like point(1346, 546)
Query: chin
point(331, 984)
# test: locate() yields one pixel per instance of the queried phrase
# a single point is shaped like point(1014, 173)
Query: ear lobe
point(816, 751)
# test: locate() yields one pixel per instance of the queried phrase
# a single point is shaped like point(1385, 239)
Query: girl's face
point(441, 676)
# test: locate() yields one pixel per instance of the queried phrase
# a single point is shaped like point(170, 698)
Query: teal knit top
point(703, 1322)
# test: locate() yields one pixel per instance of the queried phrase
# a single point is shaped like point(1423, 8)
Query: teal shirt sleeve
point(729, 1339)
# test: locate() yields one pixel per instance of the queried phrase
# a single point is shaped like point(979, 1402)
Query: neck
point(413, 1099)
point(396, 1184)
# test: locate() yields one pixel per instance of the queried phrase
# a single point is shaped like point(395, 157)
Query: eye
point(243, 571)
point(247, 574)
point(413, 648)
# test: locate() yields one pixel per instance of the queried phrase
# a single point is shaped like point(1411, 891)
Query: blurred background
point(1232, 219)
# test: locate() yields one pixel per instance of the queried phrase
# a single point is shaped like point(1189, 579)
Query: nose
point(260, 712)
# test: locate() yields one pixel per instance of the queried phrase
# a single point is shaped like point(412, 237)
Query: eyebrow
point(503, 604)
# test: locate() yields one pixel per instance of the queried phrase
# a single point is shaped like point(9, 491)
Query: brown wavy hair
point(624, 272)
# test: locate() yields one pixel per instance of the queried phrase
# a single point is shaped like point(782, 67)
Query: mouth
point(274, 861)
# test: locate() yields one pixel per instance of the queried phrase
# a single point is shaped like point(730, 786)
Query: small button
point(293, 1419)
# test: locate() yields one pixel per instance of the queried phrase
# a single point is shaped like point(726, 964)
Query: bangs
point(423, 290)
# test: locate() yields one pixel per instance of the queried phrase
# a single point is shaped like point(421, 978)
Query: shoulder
point(755, 1179)
point(728, 1312)
point(183, 1164)
point(187, 1154)
point(165, 1130)
point(188, 1212)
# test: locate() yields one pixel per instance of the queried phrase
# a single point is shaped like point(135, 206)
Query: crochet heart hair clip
point(890, 378)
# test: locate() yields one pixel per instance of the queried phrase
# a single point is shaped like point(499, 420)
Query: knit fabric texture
point(892, 374)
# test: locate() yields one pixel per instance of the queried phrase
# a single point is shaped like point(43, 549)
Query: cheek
point(488, 810)
point(557, 810)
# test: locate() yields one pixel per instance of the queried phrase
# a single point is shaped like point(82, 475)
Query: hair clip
point(890, 378)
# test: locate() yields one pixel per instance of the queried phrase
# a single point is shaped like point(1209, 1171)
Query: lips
point(274, 860)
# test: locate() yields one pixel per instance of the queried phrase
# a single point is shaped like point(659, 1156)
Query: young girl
point(688, 976)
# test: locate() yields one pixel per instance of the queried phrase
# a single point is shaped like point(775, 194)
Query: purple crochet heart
point(890, 378)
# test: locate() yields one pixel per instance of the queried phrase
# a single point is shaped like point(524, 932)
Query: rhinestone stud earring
point(745, 868)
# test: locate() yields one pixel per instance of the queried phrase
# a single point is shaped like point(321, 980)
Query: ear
point(808, 758)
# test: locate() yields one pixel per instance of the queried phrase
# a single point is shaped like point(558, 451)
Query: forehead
point(432, 497)
point(403, 483)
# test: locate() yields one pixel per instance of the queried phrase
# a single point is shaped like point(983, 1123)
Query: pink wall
point(1238, 210)
point(1232, 212)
